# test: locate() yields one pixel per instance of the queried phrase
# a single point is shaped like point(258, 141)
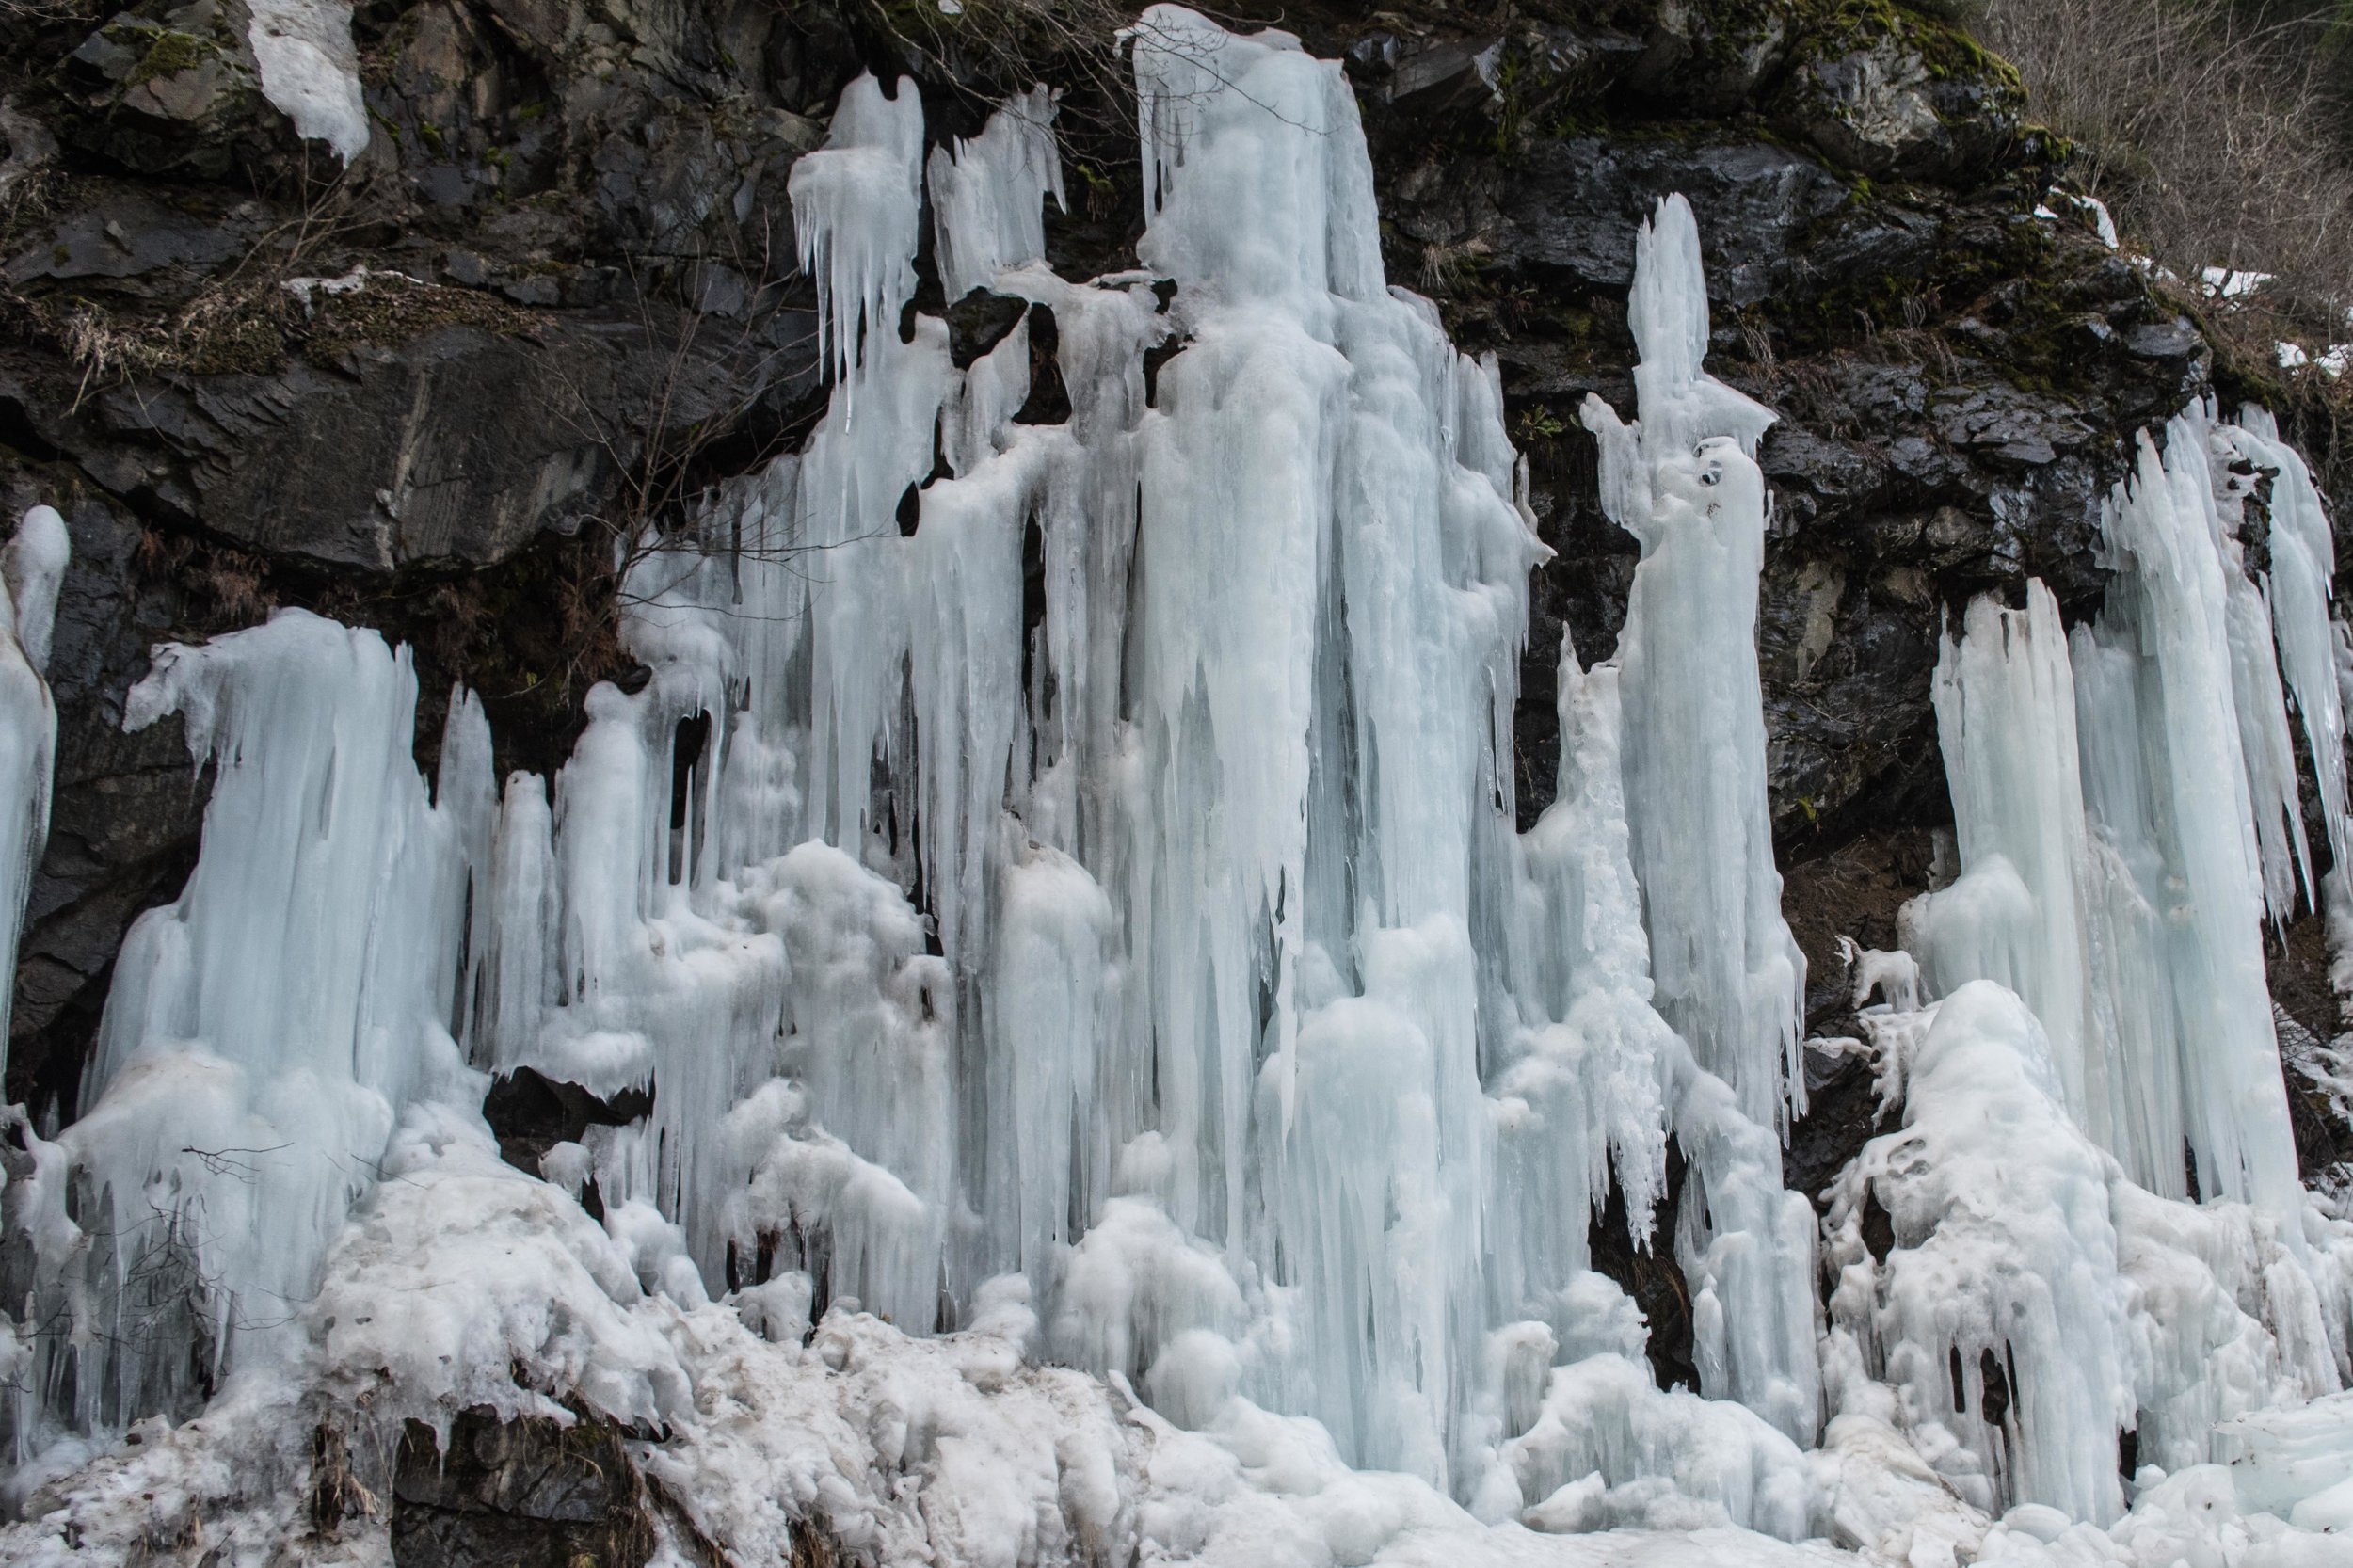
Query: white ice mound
point(2001, 1288)
point(2023, 1314)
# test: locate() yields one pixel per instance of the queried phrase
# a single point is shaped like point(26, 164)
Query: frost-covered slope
point(1121, 1086)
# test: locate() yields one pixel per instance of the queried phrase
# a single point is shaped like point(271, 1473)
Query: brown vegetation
point(2214, 131)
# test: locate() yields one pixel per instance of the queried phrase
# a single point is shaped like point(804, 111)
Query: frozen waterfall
point(1172, 950)
point(1058, 891)
point(2111, 798)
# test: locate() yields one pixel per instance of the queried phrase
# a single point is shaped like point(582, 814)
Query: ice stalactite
point(32, 567)
point(2298, 589)
point(858, 201)
point(1588, 1081)
point(1683, 481)
point(989, 196)
point(2131, 924)
point(2029, 909)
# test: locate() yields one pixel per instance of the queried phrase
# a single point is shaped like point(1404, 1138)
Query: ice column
point(265, 1029)
point(2266, 746)
point(1685, 481)
point(2167, 789)
point(2024, 910)
point(1729, 977)
point(1591, 1076)
point(1328, 546)
point(31, 566)
point(2300, 587)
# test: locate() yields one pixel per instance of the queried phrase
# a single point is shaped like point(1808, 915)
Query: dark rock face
point(523, 1493)
point(459, 445)
point(529, 1113)
point(1650, 1275)
point(1842, 1114)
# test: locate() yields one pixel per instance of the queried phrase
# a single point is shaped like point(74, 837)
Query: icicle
point(1050, 999)
point(32, 568)
point(1589, 1093)
point(857, 202)
point(987, 198)
point(2025, 908)
point(2269, 755)
point(2299, 589)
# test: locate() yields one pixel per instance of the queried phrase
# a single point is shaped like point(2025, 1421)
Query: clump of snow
point(307, 290)
point(311, 70)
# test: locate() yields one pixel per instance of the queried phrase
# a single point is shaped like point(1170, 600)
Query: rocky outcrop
point(528, 1493)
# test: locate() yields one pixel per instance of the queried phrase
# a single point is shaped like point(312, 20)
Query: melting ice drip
point(1230, 1019)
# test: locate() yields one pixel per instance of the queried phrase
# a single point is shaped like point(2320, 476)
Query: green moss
point(169, 52)
point(1538, 422)
point(434, 141)
point(529, 112)
point(1831, 29)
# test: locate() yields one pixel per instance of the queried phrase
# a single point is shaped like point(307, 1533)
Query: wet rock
point(1703, 63)
point(460, 443)
point(130, 234)
point(1883, 108)
point(1646, 1269)
point(1842, 1114)
point(978, 322)
point(528, 1493)
point(1449, 84)
point(530, 1114)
